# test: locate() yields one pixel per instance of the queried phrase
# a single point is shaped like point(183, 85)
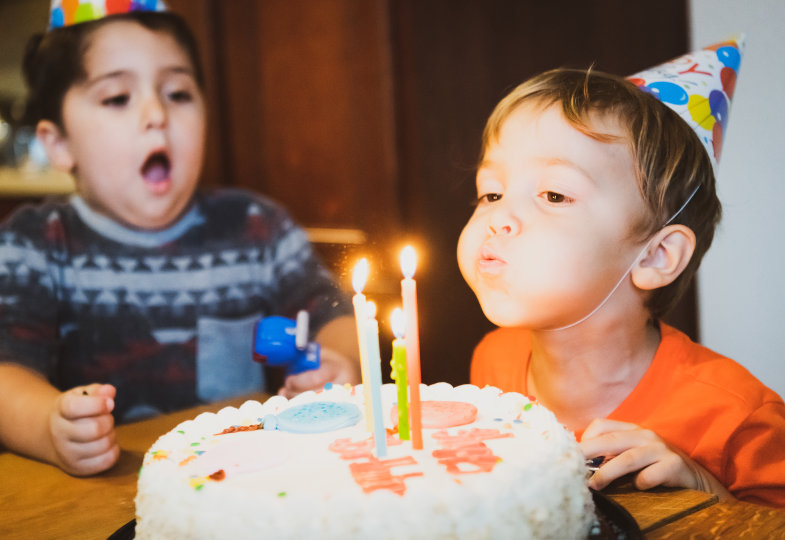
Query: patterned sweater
point(166, 316)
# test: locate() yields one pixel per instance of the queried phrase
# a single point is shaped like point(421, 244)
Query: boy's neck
point(586, 372)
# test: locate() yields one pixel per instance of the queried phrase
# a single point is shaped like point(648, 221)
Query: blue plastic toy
point(283, 342)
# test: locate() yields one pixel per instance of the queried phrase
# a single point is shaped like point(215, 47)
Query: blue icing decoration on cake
point(270, 421)
point(318, 417)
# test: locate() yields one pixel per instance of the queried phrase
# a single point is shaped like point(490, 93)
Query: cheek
point(468, 244)
point(191, 139)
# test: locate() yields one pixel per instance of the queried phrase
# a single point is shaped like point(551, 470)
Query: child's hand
point(82, 429)
point(335, 368)
point(637, 449)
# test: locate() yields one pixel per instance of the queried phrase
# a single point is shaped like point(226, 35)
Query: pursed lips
point(489, 262)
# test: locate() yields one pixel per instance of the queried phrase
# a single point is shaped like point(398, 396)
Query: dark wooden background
point(367, 115)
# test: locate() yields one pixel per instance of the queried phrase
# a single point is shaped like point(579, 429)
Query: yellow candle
point(398, 364)
point(359, 279)
point(412, 341)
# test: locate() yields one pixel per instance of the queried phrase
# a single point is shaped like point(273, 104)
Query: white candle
point(375, 380)
point(359, 279)
point(412, 340)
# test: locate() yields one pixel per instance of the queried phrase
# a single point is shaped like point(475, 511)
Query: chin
point(500, 315)
point(161, 217)
point(146, 222)
point(159, 224)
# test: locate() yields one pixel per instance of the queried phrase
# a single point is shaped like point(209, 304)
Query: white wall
point(741, 284)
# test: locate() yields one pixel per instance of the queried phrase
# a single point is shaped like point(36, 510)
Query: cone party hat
point(699, 86)
point(69, 12)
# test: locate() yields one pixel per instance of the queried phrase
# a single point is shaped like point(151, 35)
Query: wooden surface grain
point(736, 520)
point(41, 501)
point(656, 507)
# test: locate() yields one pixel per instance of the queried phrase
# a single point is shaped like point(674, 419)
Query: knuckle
point(647, 478)
point(628, 459)
point(65, 405)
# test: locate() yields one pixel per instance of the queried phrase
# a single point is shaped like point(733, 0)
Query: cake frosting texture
point(494, 465)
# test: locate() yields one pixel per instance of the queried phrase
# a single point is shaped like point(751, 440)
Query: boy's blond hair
point(670, 161)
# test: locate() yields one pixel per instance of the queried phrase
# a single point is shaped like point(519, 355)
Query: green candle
point(398, 364)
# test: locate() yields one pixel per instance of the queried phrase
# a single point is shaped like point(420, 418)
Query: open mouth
point(156, 167)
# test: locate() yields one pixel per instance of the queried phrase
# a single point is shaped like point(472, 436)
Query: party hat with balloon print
point(699, 87)
point(69, 12)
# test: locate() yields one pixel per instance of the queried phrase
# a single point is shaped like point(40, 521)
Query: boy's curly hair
point(670, 161)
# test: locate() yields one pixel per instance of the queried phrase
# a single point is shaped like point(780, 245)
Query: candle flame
point(398, 323)
point(408, 261)
point(370, 310)
point(360, 275)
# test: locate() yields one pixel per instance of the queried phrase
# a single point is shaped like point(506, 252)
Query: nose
point(153, 113)
point(504, 222)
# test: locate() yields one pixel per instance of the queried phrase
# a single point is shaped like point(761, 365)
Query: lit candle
point(398, 364)
point(412, 340)
point(375, 380)
point(359, 279)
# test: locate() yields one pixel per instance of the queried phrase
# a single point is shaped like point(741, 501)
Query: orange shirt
point(708, 406)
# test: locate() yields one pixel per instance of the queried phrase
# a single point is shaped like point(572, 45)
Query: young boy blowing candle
point(138, 295)
point(596, 203)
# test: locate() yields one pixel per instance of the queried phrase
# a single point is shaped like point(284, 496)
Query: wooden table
point(40, 501)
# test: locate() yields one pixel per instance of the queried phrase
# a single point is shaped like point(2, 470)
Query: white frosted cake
point(493, 465)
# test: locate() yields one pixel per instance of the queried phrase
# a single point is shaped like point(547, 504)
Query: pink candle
point(359, 279)
point(412, 340)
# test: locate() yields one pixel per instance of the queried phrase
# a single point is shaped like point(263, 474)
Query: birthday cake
point(493, 465)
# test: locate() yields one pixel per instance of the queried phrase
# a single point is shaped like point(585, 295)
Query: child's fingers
point(335, 368)
point(89, 429)
point(669, 470)
point(96, 389)
point(88, 463)
point(81, 430)
point(87, 445)
point(626, 462)
point(83, 449)
point(601, 426)
point(607, 442)
point(80, 403)
point(296, 384)
point(104, 390)
point(338, 368)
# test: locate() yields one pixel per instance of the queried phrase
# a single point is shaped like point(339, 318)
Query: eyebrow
point(173, 70)
point(488, 164)
point(564, 162)
point(547, 162)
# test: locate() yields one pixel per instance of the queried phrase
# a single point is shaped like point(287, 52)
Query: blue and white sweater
point(165, 316)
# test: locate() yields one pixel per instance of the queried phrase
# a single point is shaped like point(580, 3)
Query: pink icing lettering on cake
point(376, 474)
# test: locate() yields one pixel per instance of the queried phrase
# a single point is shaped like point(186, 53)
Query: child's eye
point(119, 100)
point(556, 198)
point(180, 96)
point(488, 197)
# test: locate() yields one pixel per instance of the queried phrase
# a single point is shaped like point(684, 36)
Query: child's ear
point(56, 145)
point(668, 254)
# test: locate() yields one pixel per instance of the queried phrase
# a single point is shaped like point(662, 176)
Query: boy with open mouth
point(139, 294)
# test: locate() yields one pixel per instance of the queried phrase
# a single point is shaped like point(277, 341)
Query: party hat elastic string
point(699, 87)
point(624, 276)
